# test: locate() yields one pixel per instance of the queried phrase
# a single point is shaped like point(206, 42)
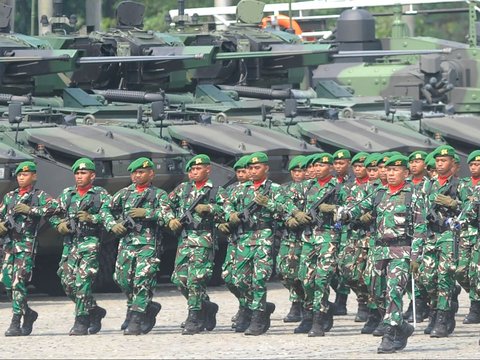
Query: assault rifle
point(433, 215)
point(187, 217)
point(128, 221)
point(314, 213)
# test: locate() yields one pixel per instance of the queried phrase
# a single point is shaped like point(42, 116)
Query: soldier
point(20, 214)
point(399, 216)
point(341, 165)
point(198, 206)
point(418, 168)
point(80, 224)
point(135, 213)
point(290, 247)
point(254, 209)
point(319, 245)
point(309, 170)
point(438, 276)
point(431, 166)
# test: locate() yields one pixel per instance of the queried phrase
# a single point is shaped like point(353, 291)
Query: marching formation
point(382, 226)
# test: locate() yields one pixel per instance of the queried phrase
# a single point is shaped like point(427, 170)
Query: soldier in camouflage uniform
point(309, 170)
point(135, 213)
point(318, 259)
point(20, 213)
point(290, 247)
point(399, 216)
point(80, 224)
point(198, 206)
point(431, 166)
point(438, 276)
point(255, 207)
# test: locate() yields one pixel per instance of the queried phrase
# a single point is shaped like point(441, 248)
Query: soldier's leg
point(67, 270)
point(463, 264)
point(22, 269)
point(145, 277)
point(200, 269)
point(446, 274)
point(397, 275)
point(86, 270)
point(360, 263)
point(326, 264)
point(7, 271)
point(262, 270)
point(243, 272)
point(428, 277)
point(227, 271)
point(306, 274)
point(125, 271)
point(180, 270)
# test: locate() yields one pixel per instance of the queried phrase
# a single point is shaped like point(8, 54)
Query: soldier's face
point(242, 175)
point(396, 175)
point(142, 177)
point(474, 168)
point(258, 171)
point(417, 167)
point(432, 173)
point(199, 172)
point(372, 173)
point(84, 177)
point(382, 172)
point(341, 166)
point(297, 174)
point(26, 178)
point(359, 170)
point(444, 165)
point(309, 172)
point(322, 170)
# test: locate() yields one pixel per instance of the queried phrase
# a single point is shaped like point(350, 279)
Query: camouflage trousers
point(77, 270)
point(253, 267)
point(339, 281)
point(136, 274)
point(463, 271)
point(474, 273)
point(16, 271)
point(353, 262)
point(193, 268)
point(389, 281)
point(317, 266)
point(287, 267)
point(438, 276)
point(227, 274)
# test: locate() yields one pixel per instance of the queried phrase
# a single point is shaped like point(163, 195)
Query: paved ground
point(49, 339)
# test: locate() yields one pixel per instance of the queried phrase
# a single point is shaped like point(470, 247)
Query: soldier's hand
point(62, 228)
point(3, 228)
point(302, 217)
point(292, 223)
point(366, 218)
point(119, 229)
point(327, 208)
point(174, 224)
point(22, 209)
point(260, 199)
point(223, 227)
point(414, 266)
point(137, 213)
point(84, 216)
point(234, 218)
point(203, 209)
point(445, 200)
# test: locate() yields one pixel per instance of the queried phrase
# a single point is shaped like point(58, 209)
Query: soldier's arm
point(164, 212)
point(358, 208)
point(105, 199)
point(60, 210)
point(175, 197)
point(47, 206)
point(222, 206)
point(3, 206)
point(419, 226)
point(107, 209)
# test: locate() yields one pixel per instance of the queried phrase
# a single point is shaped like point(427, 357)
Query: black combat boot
point(127, 319)
point(244, 318)
point(421, 310)
point(295, 313)
point(408, 315)
point(306, 323)
point(404, 331)
point(451, 323)
point(96, 315)
point(211, 310)
point(473, 316)
point(317, 325)
point(235, 318)
point(150, 316)
point(387, 346)
point(194, 323)
point(380, 329)
point(135, 324)
point(362, 313)
point(328, 318)
point(374, 319)
point(80, 327)
point(28, 319)
point(432, 318)
point(269, 310)
point(340, 305)
point(456, 291)
point(14, 328)
point(440, 328)
point(258, 323)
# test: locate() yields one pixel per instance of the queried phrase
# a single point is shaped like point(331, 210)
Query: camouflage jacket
point(24, 227)
point(258, 228)
point(466, 194)
point(470, 214)
point(292, 191)
point(144, 231)
point(399, 233)
point(199, 232)
point(419, 185)
point(70, 202)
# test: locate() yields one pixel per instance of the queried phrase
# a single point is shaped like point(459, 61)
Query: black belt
point(400, 241)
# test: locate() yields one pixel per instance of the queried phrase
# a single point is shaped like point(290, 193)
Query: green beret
point(258, 158)
point(430, 161)
point(308, 160)
point(342, 154)
point(372, 160)
point(360, 157)
point(241, 163)
point(456, 158)
point(200, 159)
point(474, 156)
point(296, 162)
point(418, 155)
point(26, 166)
point(444, 150)
point(324, 158)
point(140, 163)
point(397, 160)
point(83, 164)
